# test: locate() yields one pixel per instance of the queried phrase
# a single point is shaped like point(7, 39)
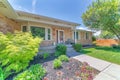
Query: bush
point(63, 58)
point(45, 55)
point(116, 46)
point(17, 50)
point(77, 47)
point(93, 38)
point(1, 74)
point(61, 49)
point(57, 53)
point(35, 72)
point(57, 63)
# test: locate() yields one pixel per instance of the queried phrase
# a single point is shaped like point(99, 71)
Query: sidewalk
point(109, 71)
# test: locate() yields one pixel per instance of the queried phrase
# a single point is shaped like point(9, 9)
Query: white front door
point(60, 36)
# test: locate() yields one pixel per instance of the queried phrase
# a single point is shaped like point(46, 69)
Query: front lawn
point(106, 53)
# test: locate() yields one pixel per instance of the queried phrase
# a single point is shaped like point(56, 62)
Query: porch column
point(75, 35)
point(28, 27)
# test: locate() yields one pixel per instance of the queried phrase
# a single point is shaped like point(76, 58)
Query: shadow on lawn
point(108, 49)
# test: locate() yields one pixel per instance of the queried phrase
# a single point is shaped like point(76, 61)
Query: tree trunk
point(117, 35)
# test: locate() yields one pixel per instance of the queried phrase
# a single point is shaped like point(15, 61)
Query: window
point(76, 35)
point(38, 31)
point(49, 34)
point(45, 33)
point(87, 35)
point(24, 28)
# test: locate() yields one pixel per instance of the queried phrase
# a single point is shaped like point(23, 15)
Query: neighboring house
point(52, 30)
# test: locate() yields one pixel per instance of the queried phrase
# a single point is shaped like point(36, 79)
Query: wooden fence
point(107, 42)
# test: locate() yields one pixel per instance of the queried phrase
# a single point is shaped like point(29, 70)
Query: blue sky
point(69, 10)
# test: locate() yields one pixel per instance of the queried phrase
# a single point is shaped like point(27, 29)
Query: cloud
point(34, 5)
point(18, 7)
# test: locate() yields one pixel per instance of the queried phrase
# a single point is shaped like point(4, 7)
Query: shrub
point(63, 58)
point(61, 48)
point(57, 53)
point(77, 47)
point(35, 72)
point(17, 50)
point(57, 63)
point(93, 38)
point(1, 74)
point(45, 55)
point(116, 46)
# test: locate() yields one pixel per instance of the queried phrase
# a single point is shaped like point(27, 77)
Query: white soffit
point(7, 10)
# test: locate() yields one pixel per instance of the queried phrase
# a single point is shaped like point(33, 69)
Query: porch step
point(48, 49)
point(71, 52)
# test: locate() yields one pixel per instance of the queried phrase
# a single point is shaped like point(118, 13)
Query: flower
point(45, 78)
point(59, 73)
point(77, 73)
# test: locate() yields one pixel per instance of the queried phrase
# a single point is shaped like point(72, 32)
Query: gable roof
point(7, 10)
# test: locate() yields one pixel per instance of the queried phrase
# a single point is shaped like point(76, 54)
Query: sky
point(69, 10)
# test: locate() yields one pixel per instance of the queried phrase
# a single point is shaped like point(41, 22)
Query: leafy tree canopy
point(103, 15)
point(106, 35)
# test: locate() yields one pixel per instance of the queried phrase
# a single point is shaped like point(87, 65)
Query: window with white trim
point(24, 28)
point(45, 33)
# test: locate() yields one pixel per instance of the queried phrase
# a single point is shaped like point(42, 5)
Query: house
point(52, 30)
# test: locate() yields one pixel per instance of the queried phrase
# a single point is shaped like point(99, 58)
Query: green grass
point(105, 53)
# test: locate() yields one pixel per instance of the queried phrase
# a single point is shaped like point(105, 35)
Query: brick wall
point(8, 25)
point(82, 38)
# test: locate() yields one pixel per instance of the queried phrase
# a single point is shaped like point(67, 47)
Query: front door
point(60, 36)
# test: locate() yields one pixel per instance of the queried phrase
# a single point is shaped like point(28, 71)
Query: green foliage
point(17, 50)
point(61, 49)
point(35, 72)
point(116, 46)
point(93, 38)
point(1, 74)
point(63, 58)
point(57, 53)
point(106, 35)
point(77, 47)
point(103, 15)
point(45, 55)
point(57, 63)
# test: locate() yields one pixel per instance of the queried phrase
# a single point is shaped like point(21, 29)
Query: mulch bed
point(68, 70)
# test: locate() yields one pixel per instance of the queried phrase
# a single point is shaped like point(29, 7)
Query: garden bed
point(71, 69)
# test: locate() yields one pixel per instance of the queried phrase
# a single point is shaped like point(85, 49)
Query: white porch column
point(75, 35)
point(28, 27)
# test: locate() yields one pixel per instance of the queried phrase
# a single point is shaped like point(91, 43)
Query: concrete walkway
point(109, 71)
